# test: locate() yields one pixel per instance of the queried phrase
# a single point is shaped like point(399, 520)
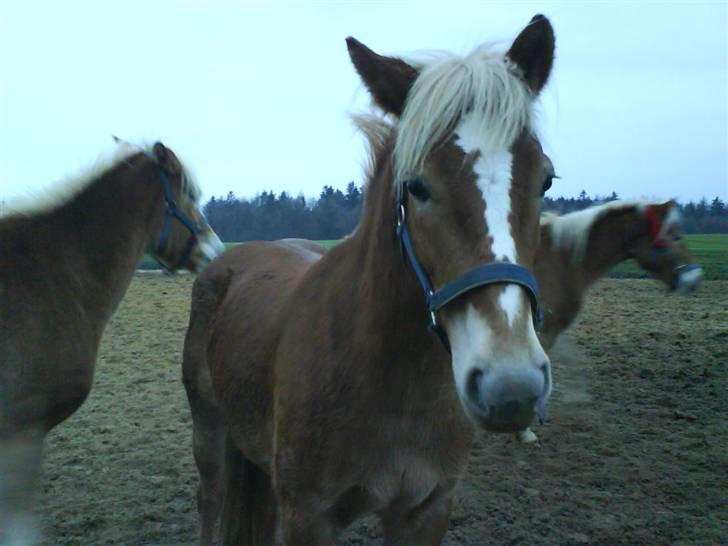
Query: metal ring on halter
point(433, 318)
point(401, 218)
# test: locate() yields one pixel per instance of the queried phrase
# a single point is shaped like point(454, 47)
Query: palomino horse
point(65, 264)
point(315, 376)
point(578, 249)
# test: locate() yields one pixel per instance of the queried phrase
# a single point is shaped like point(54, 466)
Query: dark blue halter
point(172, 212)
point(482, 275)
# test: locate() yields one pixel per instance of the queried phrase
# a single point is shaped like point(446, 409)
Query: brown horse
point(578, 249)
point(314, 375)
point(65, 264)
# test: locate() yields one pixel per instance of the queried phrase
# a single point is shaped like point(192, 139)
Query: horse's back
point(246, 328)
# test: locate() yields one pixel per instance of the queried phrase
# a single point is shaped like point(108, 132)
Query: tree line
point(335, 213)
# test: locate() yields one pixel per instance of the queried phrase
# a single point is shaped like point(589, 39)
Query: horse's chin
point(492, 420)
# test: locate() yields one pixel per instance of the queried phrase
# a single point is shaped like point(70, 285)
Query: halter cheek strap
point(173, 212)
point(482, 275)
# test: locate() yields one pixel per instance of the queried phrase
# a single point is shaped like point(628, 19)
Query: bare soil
point(635, 451)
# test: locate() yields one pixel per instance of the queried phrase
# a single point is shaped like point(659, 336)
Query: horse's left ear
point(388, 79)
point(533, 52)
point(663, 209)
point(166, 159)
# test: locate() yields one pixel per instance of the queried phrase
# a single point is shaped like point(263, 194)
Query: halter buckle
point(433, 319)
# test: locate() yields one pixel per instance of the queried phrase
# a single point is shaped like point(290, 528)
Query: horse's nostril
point(545, 370)
point(473, 386)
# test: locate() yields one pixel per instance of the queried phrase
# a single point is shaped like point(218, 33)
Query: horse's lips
point(484, 417)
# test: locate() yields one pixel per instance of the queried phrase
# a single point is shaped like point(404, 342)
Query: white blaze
point(211, 246)
point(493, 177)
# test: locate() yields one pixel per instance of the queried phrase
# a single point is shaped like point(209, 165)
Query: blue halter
point(482, 275)
point(172, 212)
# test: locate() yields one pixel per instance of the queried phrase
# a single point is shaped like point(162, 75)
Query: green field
point(711, 251)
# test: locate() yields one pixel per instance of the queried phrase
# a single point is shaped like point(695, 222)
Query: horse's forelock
point(483, 83)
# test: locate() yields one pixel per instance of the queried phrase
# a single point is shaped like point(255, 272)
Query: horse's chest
point(406, 480)
point(419, 460)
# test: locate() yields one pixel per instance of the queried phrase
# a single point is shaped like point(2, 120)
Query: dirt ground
point(635, 451)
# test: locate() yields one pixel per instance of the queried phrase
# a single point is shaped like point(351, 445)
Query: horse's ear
point(388, 79)
point(665, 208)
point(166, 159)
point(533, 52)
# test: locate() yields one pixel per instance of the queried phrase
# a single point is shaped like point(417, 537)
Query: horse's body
point(64, 267)
point(578, 249)
point(315, 373)
point(393, 468)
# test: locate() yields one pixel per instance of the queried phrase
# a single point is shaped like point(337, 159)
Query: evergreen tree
point(335, 214)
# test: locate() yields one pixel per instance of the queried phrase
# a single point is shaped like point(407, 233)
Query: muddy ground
point(635, 451)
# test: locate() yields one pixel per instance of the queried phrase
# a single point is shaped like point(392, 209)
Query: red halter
point(654, 226)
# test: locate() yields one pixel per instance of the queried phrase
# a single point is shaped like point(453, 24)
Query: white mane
point(47, 200)
point(572, 230)
point(376, 131)
point(484, 82)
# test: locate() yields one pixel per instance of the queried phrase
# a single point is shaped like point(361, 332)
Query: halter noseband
point(172, 212)
point(482, 275)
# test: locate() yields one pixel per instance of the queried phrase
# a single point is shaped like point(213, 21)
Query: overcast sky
point(256, 96)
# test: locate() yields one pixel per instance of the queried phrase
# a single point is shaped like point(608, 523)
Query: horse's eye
point(417, 189)
point(547, 184)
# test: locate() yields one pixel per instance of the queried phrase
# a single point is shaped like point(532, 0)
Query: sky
point(256, 96)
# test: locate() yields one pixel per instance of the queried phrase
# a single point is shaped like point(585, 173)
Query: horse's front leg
point(21, 454)
point(425, 525)
point(302, 524)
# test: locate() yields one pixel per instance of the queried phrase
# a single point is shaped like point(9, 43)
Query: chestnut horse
point(314, 376)
point(65, 264)
point(578, 249)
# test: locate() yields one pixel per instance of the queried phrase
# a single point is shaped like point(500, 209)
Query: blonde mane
point(63, 192)
point(572, 230)
point(377, 132)
point(484, 82)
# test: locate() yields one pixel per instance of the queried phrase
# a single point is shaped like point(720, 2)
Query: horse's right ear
point(388, 79)
point(166, 159)
point(533, 52)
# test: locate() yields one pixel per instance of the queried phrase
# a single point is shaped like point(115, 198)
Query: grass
point(711, 251)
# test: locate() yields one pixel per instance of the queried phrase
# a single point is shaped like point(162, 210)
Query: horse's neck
point(567, 276)
point(389, 298)
point(609, 243)
point(102, 235)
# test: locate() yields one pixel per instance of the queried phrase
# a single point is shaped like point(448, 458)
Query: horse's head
point(663, 251)
point(182, 238)
point(468, 173)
